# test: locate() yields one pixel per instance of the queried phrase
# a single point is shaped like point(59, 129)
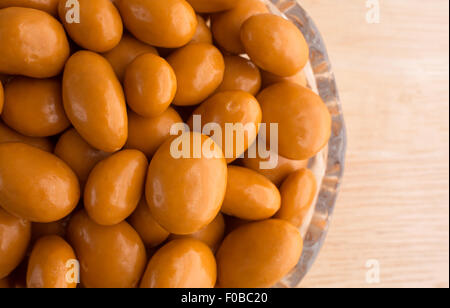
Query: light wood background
point(393, 79)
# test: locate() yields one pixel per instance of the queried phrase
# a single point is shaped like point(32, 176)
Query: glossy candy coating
point(48, 264)
point(9, 135)
point(78, 154)
point(37, 44)
point(297, 196)
point(275, 44)
point(250, 196)
point(125, 52)
point(236, 108)
point(275, 249)
point(274, 167)
point(185, 194)
point(110, 257)
point(14, 239)
point(269, 79)
point(100, 28)
point(202, 33)
point(36, 185)
point(183, 263)
point(89, 77)
point(150, 85)
point(240, 74)
point(151, 233)
point(226, 26)
point(33, 107)
point(49, 6)
point(304, 122)
point(212, 6)
point(147, 134)
point(211, 235)
point(115, 186)
point(199, 69)
point(168, 23)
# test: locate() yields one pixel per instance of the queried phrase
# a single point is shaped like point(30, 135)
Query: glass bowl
point(328, 165)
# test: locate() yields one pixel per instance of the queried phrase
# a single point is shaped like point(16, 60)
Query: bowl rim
point(337, 146)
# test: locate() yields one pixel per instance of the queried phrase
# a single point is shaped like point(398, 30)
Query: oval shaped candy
point(49, 265)
point(168, 23)
point(185, 190)
point(258, 255)
point(15, 236)
point(36, 185)
point(89, 78)
point(111, 257)
point(184, 263)
point(115, 186)
point(275, 44)
point(100, 27)
point(37, 44)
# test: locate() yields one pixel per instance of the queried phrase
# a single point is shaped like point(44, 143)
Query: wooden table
point(393, 209)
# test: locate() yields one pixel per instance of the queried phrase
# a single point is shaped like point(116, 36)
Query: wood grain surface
point(393, 208)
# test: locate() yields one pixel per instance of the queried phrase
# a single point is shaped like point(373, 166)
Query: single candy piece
point(186, 183)
point(147, 134)
point(275, 44)
point(49, 6)
point(150, 85)
point(212, 6)
point(78, 154)
point(151, 232)
point(258, 255)
point(50, 264)
point(304, 122)
point(297, 196)
point(36, 185)
point(211, 235)
point(202, 33)
point(89, 78)
point(250, 196)
point(240, 74)
point(168, 23)
point(37, 44)
point(33, 107)
point(14, 239)
point(115, 186)
point(238, 116)
point(184, 263)
point(100, 27)
point(8, 135)
point(110, 257)
point(125, 52)
point(226, 26)
point(199, 69)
